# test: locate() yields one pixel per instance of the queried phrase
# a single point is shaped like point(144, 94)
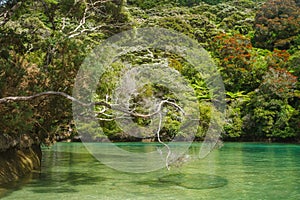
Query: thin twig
point(161, 142)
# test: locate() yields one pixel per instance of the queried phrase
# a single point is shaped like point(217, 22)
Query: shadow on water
point(62, 182)
point(54, 182)
point(188, 181)
point(7, 188)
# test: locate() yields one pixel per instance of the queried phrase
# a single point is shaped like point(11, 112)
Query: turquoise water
point(236, 171)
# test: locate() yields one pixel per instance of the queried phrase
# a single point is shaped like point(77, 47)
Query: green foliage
point(178, 24)
point(148, 4)
point(294, 63)
point(269, 112)
point(190, 3)
point(206, 112)
point(43, 44)
point(234, 123)
point(42, 47)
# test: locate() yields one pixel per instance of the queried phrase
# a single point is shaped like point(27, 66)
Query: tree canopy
point(255, 45)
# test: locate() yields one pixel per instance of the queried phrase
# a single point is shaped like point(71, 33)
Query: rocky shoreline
point(16, 163)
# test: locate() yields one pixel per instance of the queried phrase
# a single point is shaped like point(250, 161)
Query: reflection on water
point(236, 171)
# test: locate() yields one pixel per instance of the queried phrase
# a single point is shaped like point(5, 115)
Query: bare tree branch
point(159, 108)
point(92, 9)
point(127, 113)
point(83, 31)
point(99, 103)
point(82, 21)
point(26, 98)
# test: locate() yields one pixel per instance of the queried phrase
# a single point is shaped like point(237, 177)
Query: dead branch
point(27, 98)
point(102, 112)
point(81, 28)
point(82, 21)
point(84, 30)
point(99, 103)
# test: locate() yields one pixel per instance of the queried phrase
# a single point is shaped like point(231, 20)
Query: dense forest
point(255, 45)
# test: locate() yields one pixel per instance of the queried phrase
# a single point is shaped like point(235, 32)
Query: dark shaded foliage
point(276, 24)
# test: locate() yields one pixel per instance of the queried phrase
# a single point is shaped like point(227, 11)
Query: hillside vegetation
point(255, 45)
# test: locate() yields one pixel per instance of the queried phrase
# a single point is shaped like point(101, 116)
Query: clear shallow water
point(236, 171)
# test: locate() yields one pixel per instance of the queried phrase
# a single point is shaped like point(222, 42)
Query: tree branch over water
point(49, 93)
point(98, 103)
point(106, 105)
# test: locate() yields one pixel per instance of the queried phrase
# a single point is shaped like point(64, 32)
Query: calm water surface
point(236, 171)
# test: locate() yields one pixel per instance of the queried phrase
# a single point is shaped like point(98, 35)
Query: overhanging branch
point(48, 93)
point(110, 106)
point(99, 103)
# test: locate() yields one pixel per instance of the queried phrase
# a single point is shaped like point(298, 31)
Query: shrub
point(277, 59)
point(196, 2)
point(234, 54)
point(276, 24)
point(269, 112)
